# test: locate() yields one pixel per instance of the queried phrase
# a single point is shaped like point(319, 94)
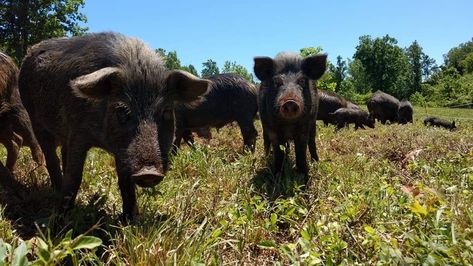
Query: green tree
point(209, 68)
point(339, 72)
point(458, 57)
point(171, 61)
point(233, 67)
point(191, 69)
point(385, 64)
point(26, 22)
point(326, 81)
point(414, 54)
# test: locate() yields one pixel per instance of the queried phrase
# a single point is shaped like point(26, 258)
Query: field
point(397, 194)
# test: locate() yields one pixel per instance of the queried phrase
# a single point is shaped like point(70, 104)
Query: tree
point(233, 67)
point(414, 54)
point(458, 57)
point(339, 72)
point(26, 22)
point(326, 81)
point(385, 65)
point(429, 67)
point(171, 61)
point(209, 68)
point(191, 69)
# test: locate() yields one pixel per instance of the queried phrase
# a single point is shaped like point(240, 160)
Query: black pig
point(230, 98)
point(383, 107)
point(437, 122)
point(288, 103)
point(329, 102)
point(405, 112)
point(343, 117)
point(15, 123)
point(109, 91)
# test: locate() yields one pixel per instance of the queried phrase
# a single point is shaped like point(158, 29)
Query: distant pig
point(109, 91)
point(288, 103)
point(437, 122)
point(15, 123)
point(230, 98)
point(405, 112)
point(383, 107)
point(343, 117)
point(329, 102)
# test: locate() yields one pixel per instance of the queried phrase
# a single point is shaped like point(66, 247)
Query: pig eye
point(278, 81)
point(123, 114)
point(302, 82)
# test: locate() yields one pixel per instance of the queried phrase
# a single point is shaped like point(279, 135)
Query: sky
point(240, 30)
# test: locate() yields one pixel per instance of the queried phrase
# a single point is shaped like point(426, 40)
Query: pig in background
point(230, 98)
point(15, 123)
point(109, 91)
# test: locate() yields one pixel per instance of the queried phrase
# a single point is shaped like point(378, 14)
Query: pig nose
point(147, 176)
point(290, 109)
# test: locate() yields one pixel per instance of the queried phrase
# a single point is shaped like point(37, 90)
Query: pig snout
point(147, 176)
point(290, 108)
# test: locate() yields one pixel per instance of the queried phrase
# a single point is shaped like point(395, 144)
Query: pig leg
point(300, 144)
point(266, 142)
point(76, 152)
point(22, 125)
point(127, 190)
point(279, 156)
point(312, 145)
point(249, 134)
point(187, 136)
point(48, 145)
point(13, 150)
point(12, 145)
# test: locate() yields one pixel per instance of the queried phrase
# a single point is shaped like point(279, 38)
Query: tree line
point(378, 63)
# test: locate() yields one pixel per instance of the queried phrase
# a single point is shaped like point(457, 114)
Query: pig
point(109, 91)
point(437, 122)
point(383, 107)
point(230, 98)
point(405, 112)
point(329, 102)
point(288, 103)
point(343, 117)
point(352, 105)
point(15, 123)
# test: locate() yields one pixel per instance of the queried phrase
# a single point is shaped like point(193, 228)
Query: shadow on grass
point(32, 207)
point(284, 185)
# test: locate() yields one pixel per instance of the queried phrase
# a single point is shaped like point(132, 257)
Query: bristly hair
point(287, 62)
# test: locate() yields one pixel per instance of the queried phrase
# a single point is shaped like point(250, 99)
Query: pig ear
point(96, 85)
point(185, 86)
point(314, 66)
point(264, 67)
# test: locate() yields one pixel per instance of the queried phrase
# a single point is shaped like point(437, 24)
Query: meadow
point(396, 194)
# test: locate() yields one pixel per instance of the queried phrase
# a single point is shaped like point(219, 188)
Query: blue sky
point(239, 30)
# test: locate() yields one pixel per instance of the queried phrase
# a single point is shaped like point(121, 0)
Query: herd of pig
point(110, 91)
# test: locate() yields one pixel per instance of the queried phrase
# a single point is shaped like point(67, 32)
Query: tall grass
point(397, 194)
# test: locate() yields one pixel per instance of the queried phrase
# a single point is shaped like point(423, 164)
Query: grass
point(391, 195)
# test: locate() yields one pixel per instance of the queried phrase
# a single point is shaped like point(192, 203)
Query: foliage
point(326, 82)
point(339, 72)
point(210, 68)
point(24, 23)
point(171, 61)
point(385, 65)
point(44, 251)
point(461, 58)
point(233, 67)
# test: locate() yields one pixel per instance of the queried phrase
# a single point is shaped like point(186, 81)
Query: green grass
point(391, 195)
